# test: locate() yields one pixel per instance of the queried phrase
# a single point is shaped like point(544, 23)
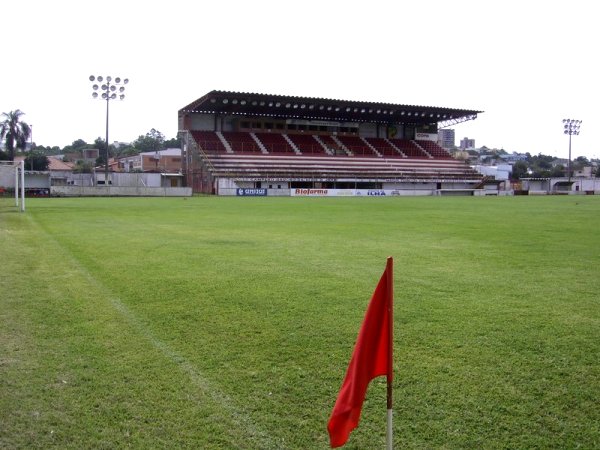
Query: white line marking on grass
point(256, 438)
point(241, 419)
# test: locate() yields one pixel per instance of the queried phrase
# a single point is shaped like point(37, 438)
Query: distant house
point(560, 162)
point(60, 171)
point(584, 172)
point(499, 171)
point(91, 154)
point(88, 155)
point(165, 162)
point(162, 161)
point(514, 157)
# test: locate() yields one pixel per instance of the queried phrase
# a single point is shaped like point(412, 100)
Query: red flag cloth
point(371, 358)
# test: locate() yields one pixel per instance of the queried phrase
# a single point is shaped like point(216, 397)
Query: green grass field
point(228, 323)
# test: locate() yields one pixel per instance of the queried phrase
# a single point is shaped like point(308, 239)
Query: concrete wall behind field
point(117, 191)
point(124, 179)
point(309, 192)
point(33, 179)
point(7, 176)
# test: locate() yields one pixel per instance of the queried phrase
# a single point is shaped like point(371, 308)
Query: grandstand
point(280, 145)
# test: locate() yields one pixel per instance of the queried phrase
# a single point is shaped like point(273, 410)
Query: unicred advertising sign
point(248, 192)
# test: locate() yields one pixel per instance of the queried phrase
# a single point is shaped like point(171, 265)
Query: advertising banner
point(427, 136)
point(306, 192)
point(248, 192)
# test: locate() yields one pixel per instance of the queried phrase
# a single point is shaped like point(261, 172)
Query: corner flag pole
point(390, 291)
point(371, 358)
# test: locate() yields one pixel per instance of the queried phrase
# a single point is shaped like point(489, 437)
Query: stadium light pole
point(571, 127)
point(109, 92)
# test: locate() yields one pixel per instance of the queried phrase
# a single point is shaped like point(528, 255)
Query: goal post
point(21, 184)
point(12, 178)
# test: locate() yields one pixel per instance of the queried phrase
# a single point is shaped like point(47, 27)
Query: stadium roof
point(311, 108)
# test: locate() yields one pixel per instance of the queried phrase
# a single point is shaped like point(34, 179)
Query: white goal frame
point(19, 184)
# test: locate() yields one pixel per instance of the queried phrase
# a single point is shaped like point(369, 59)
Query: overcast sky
point(528, 64)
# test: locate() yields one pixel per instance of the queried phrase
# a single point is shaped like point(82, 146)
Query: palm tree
point(14, 132)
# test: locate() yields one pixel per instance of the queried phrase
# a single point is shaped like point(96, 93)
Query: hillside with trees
point(526, 165)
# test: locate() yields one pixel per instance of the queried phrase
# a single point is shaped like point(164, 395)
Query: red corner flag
point(372, 357)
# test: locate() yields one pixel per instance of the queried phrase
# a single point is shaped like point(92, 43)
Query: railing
point(279, 147)
point(244, 147)
point(211, 146)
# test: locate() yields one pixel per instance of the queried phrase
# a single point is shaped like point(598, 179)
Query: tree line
point(528, 165)
point(152, 141)
point(544, 166)
point(15, 134)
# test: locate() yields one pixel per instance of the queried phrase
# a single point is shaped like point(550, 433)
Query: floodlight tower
point(571, 127)
point(109, 92)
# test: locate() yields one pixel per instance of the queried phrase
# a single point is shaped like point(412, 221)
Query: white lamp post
point(571, 127)
point(111, 90)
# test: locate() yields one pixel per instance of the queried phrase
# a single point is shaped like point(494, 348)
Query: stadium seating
point(384, 147)
point(241, 142)
point(333, 147)
point(433, 149)
point(307, 144)
point(275, 143)
point(322, 156)
point(208, 141)
point(247, 165)
point(409, 148)
point(357, 146)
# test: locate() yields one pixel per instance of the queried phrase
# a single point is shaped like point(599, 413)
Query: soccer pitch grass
point(228, 323)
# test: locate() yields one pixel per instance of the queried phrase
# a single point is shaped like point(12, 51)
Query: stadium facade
point(258, 144)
